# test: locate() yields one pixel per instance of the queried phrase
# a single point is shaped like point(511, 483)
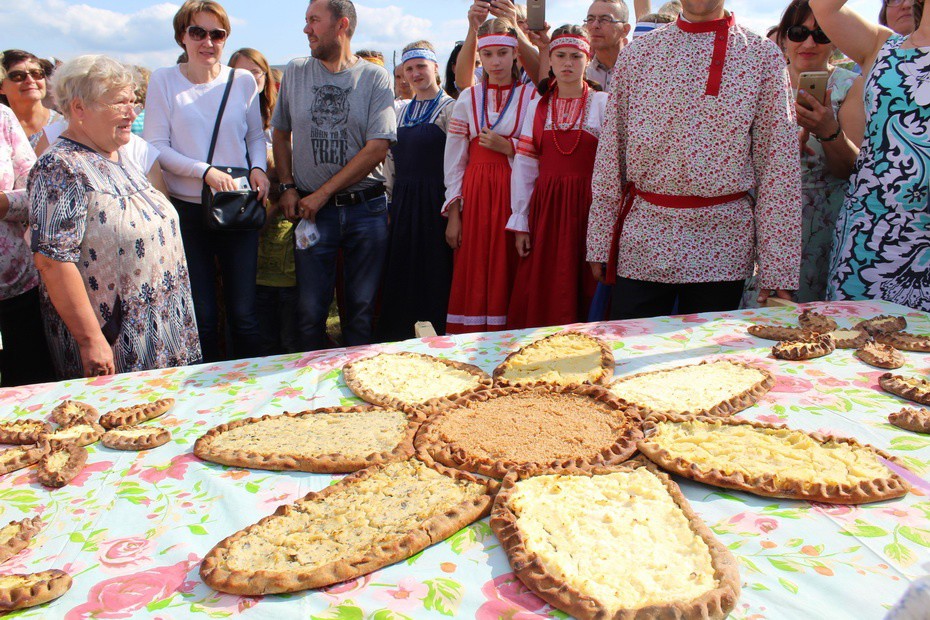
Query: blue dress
point(881, 246)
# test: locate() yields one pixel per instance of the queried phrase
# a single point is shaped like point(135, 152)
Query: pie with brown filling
point(566, 358)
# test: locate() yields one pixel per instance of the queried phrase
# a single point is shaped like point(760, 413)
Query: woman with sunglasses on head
point(182, 106)
point(880, 248)
point(23, 88)
point(831, 132)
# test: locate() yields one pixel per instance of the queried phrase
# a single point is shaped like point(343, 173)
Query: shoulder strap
point(219, 115)
point(539, 122)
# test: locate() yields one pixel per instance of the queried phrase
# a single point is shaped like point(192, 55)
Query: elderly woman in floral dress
point(115, 288)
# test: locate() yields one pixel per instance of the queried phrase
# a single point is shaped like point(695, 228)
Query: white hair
point(89, 78)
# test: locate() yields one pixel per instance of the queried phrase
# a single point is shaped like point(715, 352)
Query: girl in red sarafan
point(481, 143)
point(551, 190)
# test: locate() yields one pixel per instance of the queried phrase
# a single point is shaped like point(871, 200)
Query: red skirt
point(485, 263)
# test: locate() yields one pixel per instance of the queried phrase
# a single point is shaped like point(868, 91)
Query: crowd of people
point(675, 162)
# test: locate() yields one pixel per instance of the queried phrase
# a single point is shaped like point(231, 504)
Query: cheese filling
point(134, 433)
point(7, 533)
point(71, 432)
point(412, 379)
point(57, 460)
point(21, 581)
point(562, 359)
point(619, 538)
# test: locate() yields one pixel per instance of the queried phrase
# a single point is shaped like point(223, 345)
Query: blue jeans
point(361, 232)
point(237, 255)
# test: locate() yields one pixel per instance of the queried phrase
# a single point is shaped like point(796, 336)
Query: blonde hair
point(89, 78)
point(142, 83)
point(185, 15)
point(268, 98)
point(423, 44)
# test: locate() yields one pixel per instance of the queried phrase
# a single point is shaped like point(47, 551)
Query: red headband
point(571, 40)
point(489, 40)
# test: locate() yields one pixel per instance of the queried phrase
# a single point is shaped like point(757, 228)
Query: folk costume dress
point(550, 197)
point(699, 114)
point(418, 272)
point(486, 261)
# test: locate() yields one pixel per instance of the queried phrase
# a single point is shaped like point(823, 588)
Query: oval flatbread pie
point(911, 388)
point(61, 465)
point(910, 419)
point(367, 520)
point(777, 332)
point(883, 324)
point(331, 440)
point(73, 412)
point(566, 358)
point(805, 348)
point(495, 430)
point(769, 460)
point(880, 355)
point(23, 432)
point(135, 437)
point(816, 322)
point(720, 387)
point(412, 380)
point(22, 591)
point(850, 338)
point(904, 341)
point(616, 542)
point(136, 414)
point(15, 536)
point(82, 434)
point(13, 459)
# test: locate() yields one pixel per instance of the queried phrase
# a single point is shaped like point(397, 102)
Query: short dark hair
point(340, 9)
point(14, 57)
point(795, 15)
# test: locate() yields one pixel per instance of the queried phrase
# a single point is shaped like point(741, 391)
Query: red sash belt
point(662, 200)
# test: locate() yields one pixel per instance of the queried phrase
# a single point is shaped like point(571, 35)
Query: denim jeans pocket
point(377, 206)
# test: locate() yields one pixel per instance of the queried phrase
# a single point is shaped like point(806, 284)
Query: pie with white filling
point(21, 591)
point(566, 358)
point(15, 536)
point(23, 432)
point(911, 388)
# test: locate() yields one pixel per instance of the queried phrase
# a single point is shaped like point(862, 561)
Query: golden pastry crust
point(531, 570)
point(356, 383)
point(850, 338)
point(605, 417)
point(131, 416)
point(61, 465)
point(773, 484)
point(911, 388)
point(507, 372)
point(21, 591)
point(135, 437)
point(15, 536)
point(71, 412)
point(904, 341)
point(330, 462)
point(23, 456)
point(439, 524)
point(23, 432)
point(778, 332)
point(880, 355)
point(816, 322)
point(804, 349)
point(82, 434)
point(914, 420)
point(883, 324)
point(733, 403)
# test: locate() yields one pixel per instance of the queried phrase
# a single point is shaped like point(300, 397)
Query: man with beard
point(339, 111)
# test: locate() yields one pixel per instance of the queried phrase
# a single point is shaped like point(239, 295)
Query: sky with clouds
point(139, 31)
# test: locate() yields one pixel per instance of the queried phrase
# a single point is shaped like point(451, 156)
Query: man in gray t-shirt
point(332, 128)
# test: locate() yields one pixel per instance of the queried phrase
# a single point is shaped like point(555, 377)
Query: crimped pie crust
point(671, 392)
point(15, 536)
point(804, 349)
point(914, 420)
point(82, 434)
point(883, 323)
point(816, 322)
point(130, 416)
point(22, 456)
point(530, 422)
point(391, 430)
point(61, 465)
point(516, 369)
point(353, 372)
point(23, 432)
point(911, 388)
point(557, 590)
point(850, 338)
point(21, 591)
point(71, 412)
point(905, 341)
point(387, 512)
point(778, 332)
point(135, 437)
point(773, 484)
point(880, 355)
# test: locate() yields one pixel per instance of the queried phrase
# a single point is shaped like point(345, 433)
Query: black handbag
point(235, 210)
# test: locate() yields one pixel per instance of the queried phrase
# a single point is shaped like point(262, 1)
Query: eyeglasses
point(196, 33)
point(257, 74)
point(20, 76)
point(799, 34)
point(603, 20)
point(899, 2)
point(124, 109)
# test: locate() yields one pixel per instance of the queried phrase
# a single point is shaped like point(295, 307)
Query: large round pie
point(495, 430)
point(565, 358)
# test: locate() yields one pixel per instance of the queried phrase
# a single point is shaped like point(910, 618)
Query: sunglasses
point(196, 33)
point(799, 34)
point(20, 76)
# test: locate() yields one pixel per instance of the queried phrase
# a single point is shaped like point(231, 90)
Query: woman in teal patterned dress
point(882, 243)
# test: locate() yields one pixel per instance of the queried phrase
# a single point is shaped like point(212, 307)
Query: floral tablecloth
point(132, 528)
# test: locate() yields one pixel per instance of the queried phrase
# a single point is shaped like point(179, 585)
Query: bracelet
point(835, 135)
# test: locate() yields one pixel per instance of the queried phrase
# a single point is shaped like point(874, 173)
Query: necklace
point(503, 112)
point(580, 114)
point(427, 109)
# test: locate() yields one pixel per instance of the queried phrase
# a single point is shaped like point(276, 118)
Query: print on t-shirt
point(329, 113)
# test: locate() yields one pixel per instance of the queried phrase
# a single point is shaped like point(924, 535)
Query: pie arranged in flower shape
point(880, 355)
point(412, 379)
point(332, 440)
point(82, 433)
point(367, 520)
point(567, 358)
point(808, 348)
point(495, 430)
point(911, 388)
point(613, 542)
point(850, 338)
point(768, 460)
point(914, 420)
point(720, 387)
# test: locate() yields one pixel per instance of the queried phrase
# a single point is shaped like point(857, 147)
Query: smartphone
point(536, 14)
point(814, 83)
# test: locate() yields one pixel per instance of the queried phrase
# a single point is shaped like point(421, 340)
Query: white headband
point(489, 40)
point(419, 52)
point(571, 41)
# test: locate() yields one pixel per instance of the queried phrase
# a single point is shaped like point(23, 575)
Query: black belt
point(347, 199)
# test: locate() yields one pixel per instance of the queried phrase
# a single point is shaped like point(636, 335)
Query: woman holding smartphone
point(181, 109)
point(880, 248)
point(483, 132)
point(551, 190)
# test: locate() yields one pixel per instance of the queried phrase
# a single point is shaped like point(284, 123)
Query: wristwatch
point(283, 187)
